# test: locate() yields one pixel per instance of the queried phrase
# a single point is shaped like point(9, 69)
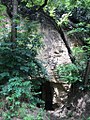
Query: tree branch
point(44, 4)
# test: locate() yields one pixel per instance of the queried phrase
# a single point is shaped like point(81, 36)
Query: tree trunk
point(87, 73)
point(60, 31)
point(14, 23)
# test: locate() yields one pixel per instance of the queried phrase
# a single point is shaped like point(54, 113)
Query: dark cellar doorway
point(47, 95)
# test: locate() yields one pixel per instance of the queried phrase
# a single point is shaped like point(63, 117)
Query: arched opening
point(47, 95)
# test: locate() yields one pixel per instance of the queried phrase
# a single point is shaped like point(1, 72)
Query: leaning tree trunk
point(87, 73)
point(60, 31)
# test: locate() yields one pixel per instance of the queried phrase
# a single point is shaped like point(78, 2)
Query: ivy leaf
point(4, 74)
point(26, 69)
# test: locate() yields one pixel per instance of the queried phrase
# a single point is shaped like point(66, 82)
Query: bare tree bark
point(44, 4)
point(87, 73)
point(14, 23)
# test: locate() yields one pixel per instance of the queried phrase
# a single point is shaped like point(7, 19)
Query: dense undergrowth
point(75, 17)
point(19, 71)
point(71, 73)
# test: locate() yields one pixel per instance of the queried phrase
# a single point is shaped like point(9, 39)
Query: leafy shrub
point(19, 67)
point(68, 73)
point(73, 72)
point(80, 57)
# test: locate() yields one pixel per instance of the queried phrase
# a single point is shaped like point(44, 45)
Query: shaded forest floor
point(78, 108)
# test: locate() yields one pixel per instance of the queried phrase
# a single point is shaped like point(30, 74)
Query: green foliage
point(2, 10)
point(19, 68)
point(25, 113)
point(15, 91)
point(88, 118)
point(80, 57)
point(74, 16)
point(3, 21)
point(40, 115)
point(29, 117)
point(22, 111)
point(87, 47)
point(73, 72)
point(32, 3)
point(68, 73)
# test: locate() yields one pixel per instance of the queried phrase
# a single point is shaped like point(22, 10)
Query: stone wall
point(52, 54)
point(54, 51)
